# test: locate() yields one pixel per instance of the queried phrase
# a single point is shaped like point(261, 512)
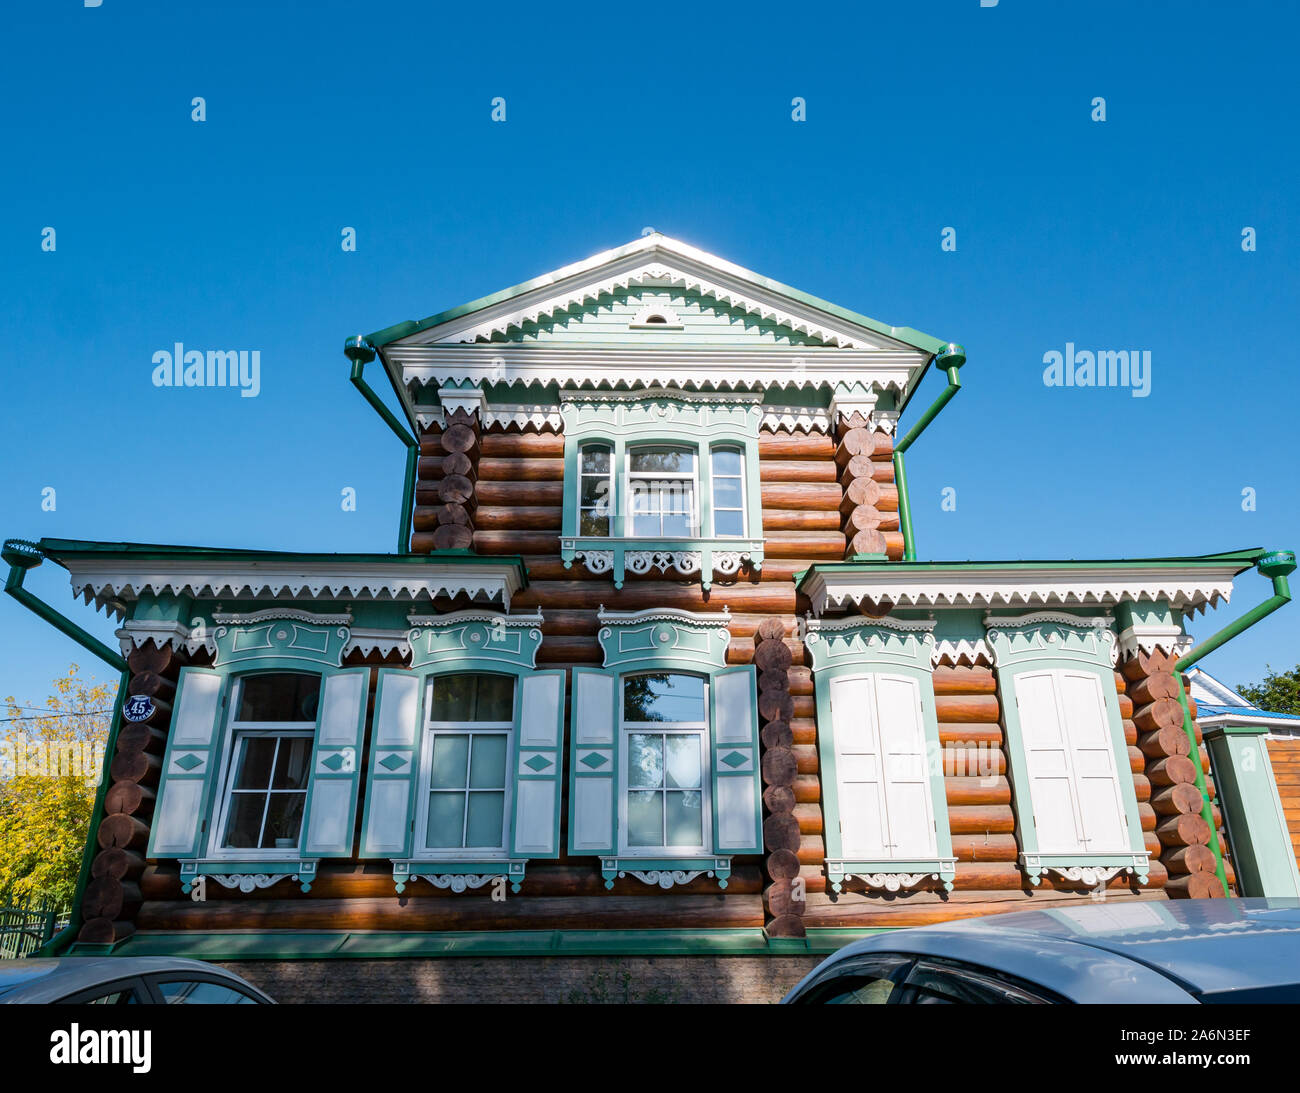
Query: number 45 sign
point(138, 708)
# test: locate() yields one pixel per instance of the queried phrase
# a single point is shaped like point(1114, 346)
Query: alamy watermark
point(1104, 368)
point(23, 756)
point(181, 367)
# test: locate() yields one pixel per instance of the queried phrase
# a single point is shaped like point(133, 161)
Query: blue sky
point(226, 234)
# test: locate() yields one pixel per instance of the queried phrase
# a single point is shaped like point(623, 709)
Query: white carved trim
point(246, 882)
point(963, 651)
point(460, 882)
point(458, 618)
point(720, 619)
point(666, 878)
point(685, 562)
point(596, 561)
point(367, 641)
point(1146, 637)
point(470, 399)
point(1041, 618)
point(857, 622)
point(885, 420)
point(891, 882)
point(808, 419)
point(1090, 875)
point(641, 320)
point(699, 398)
point(135, 632)
point(226, 618)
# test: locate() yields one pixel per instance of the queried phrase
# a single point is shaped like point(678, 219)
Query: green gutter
point(1277, 566)
point(22, 556)
point(950, 359)
point(360, 354)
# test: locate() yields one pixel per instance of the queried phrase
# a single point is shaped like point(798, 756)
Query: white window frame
point(702, 733)
point(234, 734)
point(739, 451)
point(630, 476)
point(609, 478)
point(430, 731)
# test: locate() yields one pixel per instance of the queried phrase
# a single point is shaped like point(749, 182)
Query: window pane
point(292, 763)
point(728, 524)
point(205, 994)
point(453, 698)
point(279, 696)
point(595, 460)
point(677, 526)
point(663, 697)
point(725, 461)
point(450, 754)
point(684, 817)
point(646, 526)
point(593, 524)
point(283, 821)
point(496, 698)
point(446, 819)
point(645, 819)
point(671, 460)
point(726, 493)
point(255, 762)
point(486, 812)
point(487, 767)
point(244, 820)
point(645, 761)
point(595, 491)
point(683, 761)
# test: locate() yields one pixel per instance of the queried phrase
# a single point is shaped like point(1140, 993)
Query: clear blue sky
point(226, 234)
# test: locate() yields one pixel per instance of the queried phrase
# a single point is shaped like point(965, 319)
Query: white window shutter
point(1047, 759)
point(593, 767)
point(909, 808)
point(189, 766)
point(538, 766)
point(336, 765)
point(859, 773)
point(737, 818)
point(1092, 753)
point(394, 762)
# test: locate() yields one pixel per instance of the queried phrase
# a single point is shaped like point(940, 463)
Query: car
point(118, 981)
point(1146, 951)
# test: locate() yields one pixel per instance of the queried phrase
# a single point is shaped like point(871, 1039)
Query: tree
point(50, 763)
point(1279, 692)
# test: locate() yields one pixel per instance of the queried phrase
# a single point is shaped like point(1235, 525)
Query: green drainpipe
point(22, 556)
point(361, 354)
point(1277, 566)
point(950, 360)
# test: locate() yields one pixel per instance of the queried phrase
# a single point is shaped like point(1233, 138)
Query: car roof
point(62, 976)
point(1088, 952)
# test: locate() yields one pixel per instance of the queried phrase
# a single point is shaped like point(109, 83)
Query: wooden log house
point(656, 674)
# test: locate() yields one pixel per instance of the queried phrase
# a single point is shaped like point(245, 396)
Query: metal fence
point(26, 926)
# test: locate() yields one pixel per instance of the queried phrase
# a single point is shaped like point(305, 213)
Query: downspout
point(950, 359)
point(360, 354)
point(22, 556)
point(1277, 566)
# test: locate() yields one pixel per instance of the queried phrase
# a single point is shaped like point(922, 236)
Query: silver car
point(124, 981)
point(1162, 951)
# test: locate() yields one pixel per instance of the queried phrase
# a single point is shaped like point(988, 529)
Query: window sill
point(892, 875)
point(665, 872)
point(250, 872)
point(619, 556)
point(457, 874)
point(1087, 869)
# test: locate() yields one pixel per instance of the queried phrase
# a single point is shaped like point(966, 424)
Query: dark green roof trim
point(59, 549)
point(376, 944)
point(904, 334)
point(1243, 559)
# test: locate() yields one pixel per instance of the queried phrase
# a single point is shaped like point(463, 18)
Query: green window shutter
point(336, 765)
point(737, 820)
point(394, 762)
point(593, 805)
point(538, 765)
point(189, 766)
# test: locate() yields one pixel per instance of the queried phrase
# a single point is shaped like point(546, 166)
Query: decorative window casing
point(682, 747)
point(879, 754)
point(1076, 806)
point(207, 777)
point(661, 482)
point(421, 730)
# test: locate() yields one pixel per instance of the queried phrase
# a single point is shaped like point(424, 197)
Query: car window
point(195, 992)
point(951, 984)
point(121, 993)
point(865, 981)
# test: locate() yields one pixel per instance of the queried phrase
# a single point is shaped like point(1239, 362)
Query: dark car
point(1163, 951)
point(123, 981)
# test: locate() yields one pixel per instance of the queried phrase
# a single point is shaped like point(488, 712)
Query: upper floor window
point(728, 492)
point(661, 492)
point(595, 489)
point(272, 733)
point(467, 726)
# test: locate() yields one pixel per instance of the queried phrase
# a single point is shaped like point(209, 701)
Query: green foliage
point(1278, 692)
point(50, 764)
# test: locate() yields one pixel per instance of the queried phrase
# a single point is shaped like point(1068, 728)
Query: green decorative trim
point(284, 638)
point(664, 638)
point(853, 648)
point(249, 875)
point(459, 876)
point(475, 640)
point(1043, 641)
point(666, 872)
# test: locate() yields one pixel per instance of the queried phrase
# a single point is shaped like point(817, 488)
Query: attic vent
point(655, 317)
